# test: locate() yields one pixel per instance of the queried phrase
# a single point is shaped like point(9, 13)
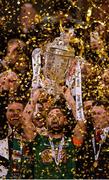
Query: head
point(9, 81)
point(105, 83)
point(14, 113)
point(28, 17)
point(96, 42)
point(105, 77)
point(97, 35)
point(99, 27)
point(15, 56)
point(87, 70)
point(87, 106)
point(100, 116)
point(2, 21)
point(56, 120)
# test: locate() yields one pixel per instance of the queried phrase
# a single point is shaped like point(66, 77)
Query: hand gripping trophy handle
point(36, 65)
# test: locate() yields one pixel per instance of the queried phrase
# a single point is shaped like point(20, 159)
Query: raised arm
point(28, 126)
point(9, 81)
point(70, 100)
point(79, 133)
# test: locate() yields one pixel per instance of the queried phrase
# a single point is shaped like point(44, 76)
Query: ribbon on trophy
point(36, 65)
point(74, 83)
point(78, 91)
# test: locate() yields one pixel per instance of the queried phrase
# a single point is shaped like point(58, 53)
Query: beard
point(55, 128)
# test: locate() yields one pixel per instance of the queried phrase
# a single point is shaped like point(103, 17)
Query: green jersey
point(21, 161)
point(46, 165)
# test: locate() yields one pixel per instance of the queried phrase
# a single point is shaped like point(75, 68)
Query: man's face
point(16, 56)
point(100, 116)
point(27, 17)
point(105, 77)
point(101, 29)
point(95, 41)
point(14, 113)
point(14, 51)
point(55, 120)
point(105, 83)
point(9, 81)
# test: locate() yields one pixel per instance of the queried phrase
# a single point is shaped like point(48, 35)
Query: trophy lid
point(60, 45)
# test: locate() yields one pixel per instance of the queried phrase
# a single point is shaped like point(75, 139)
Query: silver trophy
point(58, 56)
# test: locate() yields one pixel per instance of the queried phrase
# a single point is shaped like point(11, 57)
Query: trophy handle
point(74, 83)
point(36, 65)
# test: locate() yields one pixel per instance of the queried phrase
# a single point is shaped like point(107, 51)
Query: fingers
point(9, 81)
point(35, 93)
point(79, 133)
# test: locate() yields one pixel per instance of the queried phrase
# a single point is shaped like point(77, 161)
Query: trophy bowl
point(58, 57)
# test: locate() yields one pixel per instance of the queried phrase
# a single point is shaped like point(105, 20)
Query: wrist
point(77, 141)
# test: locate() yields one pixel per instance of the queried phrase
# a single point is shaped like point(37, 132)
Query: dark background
point(10, 9)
